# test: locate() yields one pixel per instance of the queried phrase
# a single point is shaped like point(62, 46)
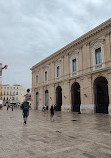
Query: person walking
point(51, 113)
point(55, 107)
point(12, 107)
point(25, 113)
point(7, 105)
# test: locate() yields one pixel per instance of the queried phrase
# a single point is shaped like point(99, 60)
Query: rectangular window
point(46, 76)
point(74, 65)
point(58, 71)
point(98, 56)
point(36, 80)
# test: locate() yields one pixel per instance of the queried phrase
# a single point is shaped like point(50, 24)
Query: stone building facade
point(12, 94)
point(78, 76)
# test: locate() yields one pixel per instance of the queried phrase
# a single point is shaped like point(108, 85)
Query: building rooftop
point(79, 40)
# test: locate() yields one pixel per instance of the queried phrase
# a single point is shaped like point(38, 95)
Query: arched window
point(98, 56)
point(58, 71)
point(46, 76)
point(74, 65)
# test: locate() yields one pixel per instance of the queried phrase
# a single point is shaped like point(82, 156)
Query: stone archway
point(37, 100)
point(47, 99)
point(101, 96)
point(58, 98)
point(75, 97)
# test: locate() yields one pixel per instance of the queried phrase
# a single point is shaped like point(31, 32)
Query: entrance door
point(101, 96)
point(37, 100)
point(75, 97)
point(58, 98)
point(47, 99)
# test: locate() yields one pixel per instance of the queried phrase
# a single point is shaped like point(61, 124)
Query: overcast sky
point(31, 30)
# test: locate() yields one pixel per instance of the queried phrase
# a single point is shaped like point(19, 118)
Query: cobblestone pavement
point(68, 136)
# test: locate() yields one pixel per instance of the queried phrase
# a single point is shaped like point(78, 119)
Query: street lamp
point(1, 68)
point(5, 67)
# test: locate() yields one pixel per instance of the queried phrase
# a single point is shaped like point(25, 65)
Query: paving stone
point(69, 135)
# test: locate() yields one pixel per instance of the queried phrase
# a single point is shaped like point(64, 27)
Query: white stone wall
point(13, 93)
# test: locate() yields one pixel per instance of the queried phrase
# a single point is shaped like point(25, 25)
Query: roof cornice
point(84, 37)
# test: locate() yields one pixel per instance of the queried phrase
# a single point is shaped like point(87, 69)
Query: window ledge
point(45, 82)
point(57, 78)
point(73, 74)
point(97, 66)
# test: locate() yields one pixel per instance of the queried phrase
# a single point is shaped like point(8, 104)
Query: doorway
point(47, 99)
point(75, 97)
point(58, 98)
point(37, 100)
point(101, 96)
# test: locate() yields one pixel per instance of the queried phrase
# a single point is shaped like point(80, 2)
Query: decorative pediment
point(37, 72)
point(45, 67)
point(58, 61)
point(97, 43)
point(74, 52)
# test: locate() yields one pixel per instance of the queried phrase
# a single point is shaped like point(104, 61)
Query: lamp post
point(1, 68)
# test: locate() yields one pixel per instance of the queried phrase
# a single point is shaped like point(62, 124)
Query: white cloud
point(30, 30)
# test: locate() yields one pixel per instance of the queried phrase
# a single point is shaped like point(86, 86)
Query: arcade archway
point(58, 98)
point(47, 99)
point(37, 100)
point(101, 96)
point(75, 97)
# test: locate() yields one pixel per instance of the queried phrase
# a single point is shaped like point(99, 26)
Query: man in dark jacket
point(51, 112)
point(25, 113)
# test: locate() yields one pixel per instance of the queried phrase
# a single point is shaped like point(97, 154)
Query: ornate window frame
point(46, 69)
point(74, 55)
point(58, 63)
point(36, 74)
point(45, 76)
point(95, 45)
point(37, 80)
point(58, 71)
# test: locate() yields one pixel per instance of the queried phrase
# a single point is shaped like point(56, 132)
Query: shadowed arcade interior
point(75, 97)
point(58, 98)
point(101, 96)
point(37, 100)
point(47, 99)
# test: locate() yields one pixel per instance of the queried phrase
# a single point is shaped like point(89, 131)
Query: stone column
point(109, 90)
point(86, 95)
point(107, 50)
point(51, 95)
point(66, 96)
